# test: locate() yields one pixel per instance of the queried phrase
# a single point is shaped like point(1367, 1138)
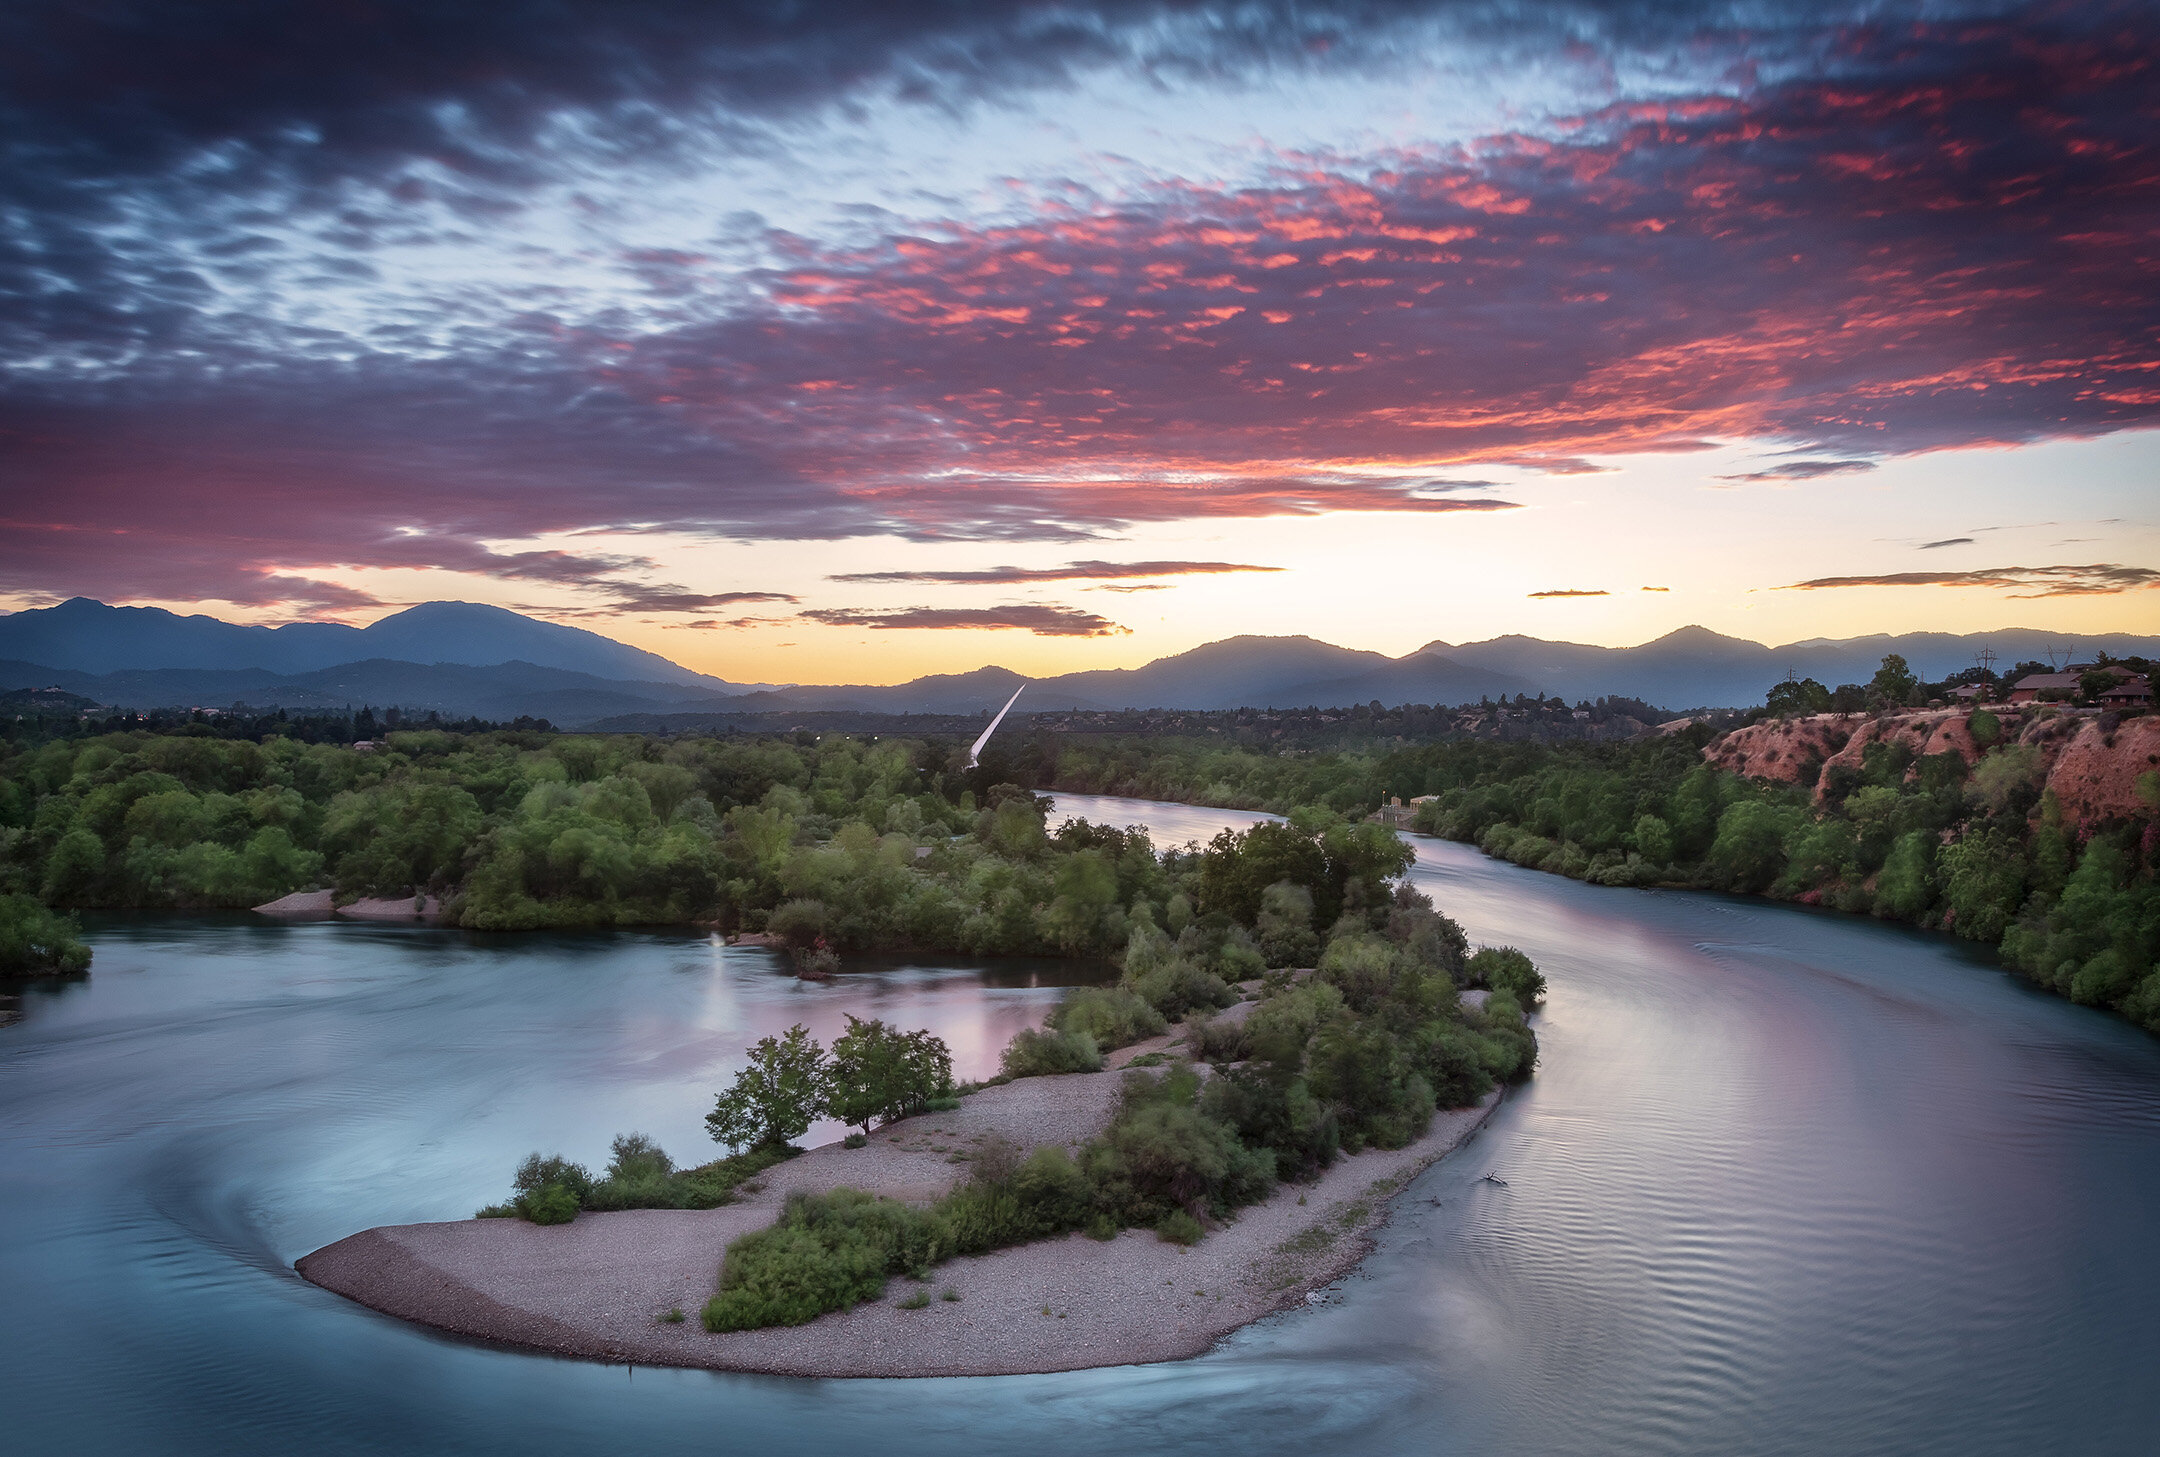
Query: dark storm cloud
point(1936, 235)
point(132, 86)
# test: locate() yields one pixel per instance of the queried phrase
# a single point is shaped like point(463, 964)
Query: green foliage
point(1749, 851)
point(1505, 969)
point(1795, 698)
point(1161, 973)
point(1179, 1228)
point(549, 1189)
point(1038, 1052)
point(520, 831)
point(774, 1100)
point(1894, 683)
point(1217, 1040)
point(551, 1204)
point(1112, 1016)
point(881, 1073)
point(37, 942)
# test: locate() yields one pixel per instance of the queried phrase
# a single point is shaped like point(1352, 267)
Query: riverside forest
point(1971, 838)
point(838, 844)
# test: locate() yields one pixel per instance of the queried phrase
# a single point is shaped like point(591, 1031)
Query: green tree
point(1893, 682)
point(1802, 697)
point(777, 1097)
point(73, 869)
point(1654, 839)
point(1749, 852)
point(882, 1073)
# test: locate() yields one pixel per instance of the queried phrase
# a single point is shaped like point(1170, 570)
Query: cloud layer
point(1931, 235)
point(2102, 580)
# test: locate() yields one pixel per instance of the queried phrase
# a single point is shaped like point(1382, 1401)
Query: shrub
point(1176, 987)
point(551, 1204)
point(1039, 1052)
point(1113, 1016)
point(916, 1301)
point(1378, 1094)
point(790, 1273)
point(1162, 1154)
point(1179, 1228)
point(1273, 1109)
point(1218, 1039)
point(35, 941)
point(539, 1171)
point(1505, 969)
point(1284, 925)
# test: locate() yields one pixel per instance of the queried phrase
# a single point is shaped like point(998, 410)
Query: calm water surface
point(1785, 1183)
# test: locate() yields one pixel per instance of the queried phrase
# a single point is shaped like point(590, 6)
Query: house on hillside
point(2129, 693)
point(2034, 687)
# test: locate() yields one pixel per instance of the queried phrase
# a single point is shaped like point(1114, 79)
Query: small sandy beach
point(598, 1287)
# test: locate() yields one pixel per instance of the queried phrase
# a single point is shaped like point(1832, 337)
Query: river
point(1785, 1182)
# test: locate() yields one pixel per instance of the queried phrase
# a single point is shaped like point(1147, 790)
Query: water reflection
point(1785, 1183)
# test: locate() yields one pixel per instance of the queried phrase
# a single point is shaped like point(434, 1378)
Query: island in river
point(604, 1286)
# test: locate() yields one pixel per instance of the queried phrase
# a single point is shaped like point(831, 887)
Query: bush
point(640, 1176)
point(1505, 969)
point(35, 941)
point(1179, 1228)
point(1176, 987)
point(1162, 1154)
point(541, 1170)
point(1038, 1052)
point(793, 1272)
point(1113, 1016)
point(1218, 1040)
point(1272, 1109)
point(552, 1204)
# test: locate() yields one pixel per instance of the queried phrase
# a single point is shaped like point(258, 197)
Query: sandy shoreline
point(596, 1288)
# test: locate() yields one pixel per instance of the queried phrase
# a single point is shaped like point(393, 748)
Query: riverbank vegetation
point(37, 941)
point(1352, 1031)
point(1980, 849)
point(850, 843)
point(1355, 1050)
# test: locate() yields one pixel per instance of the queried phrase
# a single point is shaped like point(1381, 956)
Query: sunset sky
point(851, 341)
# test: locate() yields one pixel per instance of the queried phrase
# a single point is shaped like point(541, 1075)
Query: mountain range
point(465, 659)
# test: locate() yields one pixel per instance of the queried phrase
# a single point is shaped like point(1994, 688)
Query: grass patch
point(917, 1301)
point(673, 1317)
